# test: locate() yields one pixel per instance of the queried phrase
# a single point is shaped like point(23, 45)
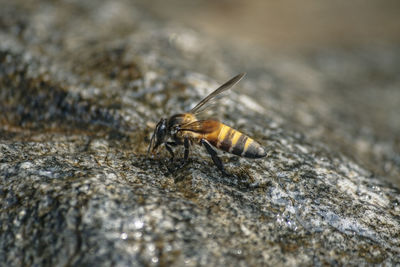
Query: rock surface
point(82, 84)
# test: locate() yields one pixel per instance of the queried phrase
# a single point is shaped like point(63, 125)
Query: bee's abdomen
point(233, 141)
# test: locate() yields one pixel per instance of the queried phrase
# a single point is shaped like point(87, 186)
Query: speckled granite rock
point(81, 86)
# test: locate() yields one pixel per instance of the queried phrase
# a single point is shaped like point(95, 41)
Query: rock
point(82, 86)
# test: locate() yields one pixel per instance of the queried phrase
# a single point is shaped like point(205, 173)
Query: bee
point(185, 129)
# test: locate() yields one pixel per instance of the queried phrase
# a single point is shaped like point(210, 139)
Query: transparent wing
point(198, 108)
point(211, 108)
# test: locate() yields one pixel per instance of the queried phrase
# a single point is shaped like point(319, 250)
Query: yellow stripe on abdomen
point(235, 138)
point(222, 133)
point(225, 138)
point(249, 141)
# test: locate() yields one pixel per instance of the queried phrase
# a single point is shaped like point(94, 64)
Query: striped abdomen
point(233, 141)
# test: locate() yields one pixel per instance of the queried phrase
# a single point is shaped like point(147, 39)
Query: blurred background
point(288, 25)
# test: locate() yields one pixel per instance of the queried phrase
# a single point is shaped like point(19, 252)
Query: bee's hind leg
point(213, 155)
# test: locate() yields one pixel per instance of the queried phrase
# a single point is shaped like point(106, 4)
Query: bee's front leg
point(169, 149)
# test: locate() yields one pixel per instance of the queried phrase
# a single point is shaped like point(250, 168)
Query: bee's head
point(159, 135)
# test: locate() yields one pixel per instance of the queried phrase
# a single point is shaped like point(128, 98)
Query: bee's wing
point(202, 126)
point(219, 90)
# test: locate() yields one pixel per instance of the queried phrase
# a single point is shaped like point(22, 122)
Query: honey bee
point(185, 129)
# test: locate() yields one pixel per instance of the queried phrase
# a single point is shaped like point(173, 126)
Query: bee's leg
point(213, 155)
point(167, 146)
point(186, 144)
point(172, 143)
